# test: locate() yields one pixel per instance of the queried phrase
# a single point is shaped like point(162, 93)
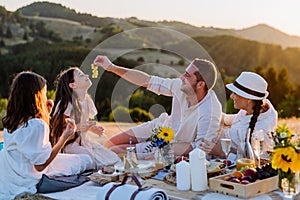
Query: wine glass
point(226, 145)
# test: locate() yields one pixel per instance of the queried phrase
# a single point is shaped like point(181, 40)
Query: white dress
point(86, 143)
point(28, 146)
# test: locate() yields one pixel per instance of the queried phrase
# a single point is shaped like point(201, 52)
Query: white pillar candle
point(183, 181)
point(198, 170)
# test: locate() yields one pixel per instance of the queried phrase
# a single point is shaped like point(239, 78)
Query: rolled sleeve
point(164, 86)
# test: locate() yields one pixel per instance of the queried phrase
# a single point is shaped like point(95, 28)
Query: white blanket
point(124, 192)
point(93, 191)
point(86, 191)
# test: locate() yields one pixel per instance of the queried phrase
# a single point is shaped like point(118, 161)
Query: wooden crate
point(259, 187)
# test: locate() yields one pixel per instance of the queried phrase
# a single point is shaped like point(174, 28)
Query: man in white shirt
point(196, 111)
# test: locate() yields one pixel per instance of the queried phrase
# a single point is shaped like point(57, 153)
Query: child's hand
point(70, 129)
point(85, 126)
point(97, 129)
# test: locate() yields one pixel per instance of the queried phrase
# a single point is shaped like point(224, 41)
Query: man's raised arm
point(134, 76)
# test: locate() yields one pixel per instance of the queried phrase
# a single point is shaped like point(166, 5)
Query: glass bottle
point(248, 148)
point(245, 155)
point(131, 156)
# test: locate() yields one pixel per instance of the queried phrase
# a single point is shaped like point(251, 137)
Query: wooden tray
point(259, 187)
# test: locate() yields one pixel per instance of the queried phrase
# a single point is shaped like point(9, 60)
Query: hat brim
point(241, 93)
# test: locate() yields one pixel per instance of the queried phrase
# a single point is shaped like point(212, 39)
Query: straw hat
point(250, 86)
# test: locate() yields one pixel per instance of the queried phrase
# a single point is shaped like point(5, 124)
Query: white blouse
point(239, 123)
point(87, 106)
point(28, 146)
point(25, 147)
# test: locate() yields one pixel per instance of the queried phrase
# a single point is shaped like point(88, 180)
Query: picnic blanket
point(90, 189)
point(87, 190)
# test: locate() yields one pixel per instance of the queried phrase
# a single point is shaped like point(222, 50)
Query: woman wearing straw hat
point(249, 93)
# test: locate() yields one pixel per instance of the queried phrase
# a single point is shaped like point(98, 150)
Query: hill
point(232, 50)
point(52, 10)
point(267, 34)
point(261, 32)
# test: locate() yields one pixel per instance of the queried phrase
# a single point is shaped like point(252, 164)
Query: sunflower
point(297, 166)
point(284, 158)
point(166, 134)
point(161, 137)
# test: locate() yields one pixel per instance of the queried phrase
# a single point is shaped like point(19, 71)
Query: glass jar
point(164, 156)
point(289, 183)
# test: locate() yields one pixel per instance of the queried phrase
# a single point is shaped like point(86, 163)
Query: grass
point(32, 197)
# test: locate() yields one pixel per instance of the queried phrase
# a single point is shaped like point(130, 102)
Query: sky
point(283, 15)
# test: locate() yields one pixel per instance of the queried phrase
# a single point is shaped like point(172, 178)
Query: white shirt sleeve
point(228, 119)
point(34, 143)
point(164, 86)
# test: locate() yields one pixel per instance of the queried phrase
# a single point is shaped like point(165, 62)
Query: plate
point(212, 172)
point(100, 178)
point(142, 164)
point(233, 163)
point(213, 165)
point(110, 175)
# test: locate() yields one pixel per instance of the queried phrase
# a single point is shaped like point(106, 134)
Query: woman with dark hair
point(27, 152)
point(249, 93)
point(73, 101)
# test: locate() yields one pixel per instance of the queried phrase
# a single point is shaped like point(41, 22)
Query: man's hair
point(207, 72)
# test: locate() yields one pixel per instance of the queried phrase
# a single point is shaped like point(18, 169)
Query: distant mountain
point(267, 34)
point(261, 33)
point(52, 10)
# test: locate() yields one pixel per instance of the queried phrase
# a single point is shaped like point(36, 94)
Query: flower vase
point(167, 153)
point(164, 156)
point(158, 159)
point(288, 183)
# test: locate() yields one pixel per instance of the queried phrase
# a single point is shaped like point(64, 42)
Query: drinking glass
point(226, 145)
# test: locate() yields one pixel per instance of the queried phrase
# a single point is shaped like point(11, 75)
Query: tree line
point(49, 59)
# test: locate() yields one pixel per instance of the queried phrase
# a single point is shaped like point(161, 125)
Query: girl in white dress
point(27, 152)
point(72, 100)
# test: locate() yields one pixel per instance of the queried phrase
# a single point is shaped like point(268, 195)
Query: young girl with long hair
point(27, 152)
point(72, 100)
